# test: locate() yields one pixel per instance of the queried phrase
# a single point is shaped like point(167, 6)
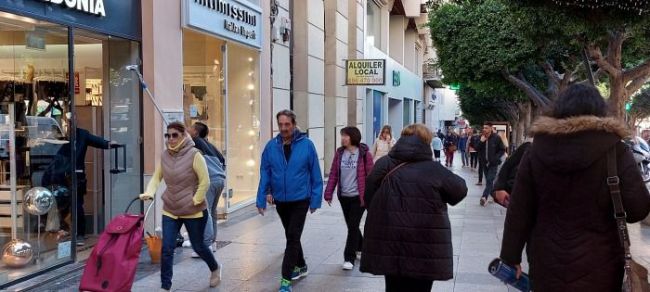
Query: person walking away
point(351, 165)
point(384, 143)
point(437, 148)
point(407, 230)
point(462, 146)
point(506, 177)
point(492, 150)
point(561, 208)
point(451, 145)
point(473, 142)
point(185, 173)
point(216, 170)
point(290, 178)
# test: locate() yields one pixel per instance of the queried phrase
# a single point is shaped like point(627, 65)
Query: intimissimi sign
point(236, 20)
point(95, 7)
point(229, 9)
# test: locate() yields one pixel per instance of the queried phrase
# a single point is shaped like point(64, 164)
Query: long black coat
point(562, 210)
point(407, 231)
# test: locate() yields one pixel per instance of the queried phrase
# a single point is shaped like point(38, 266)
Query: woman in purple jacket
point(352, 163)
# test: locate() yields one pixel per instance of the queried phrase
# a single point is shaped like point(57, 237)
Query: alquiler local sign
point(365, 72)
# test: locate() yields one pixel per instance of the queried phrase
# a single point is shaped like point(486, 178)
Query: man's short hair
point(488, 124)
point(201, 129)
point(287, 113)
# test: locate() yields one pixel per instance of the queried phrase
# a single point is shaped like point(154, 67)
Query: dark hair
point(201, 129)
point(178, 126)
point(287, 113)
point(488, 124)
point(354, 134)
point(579, 100)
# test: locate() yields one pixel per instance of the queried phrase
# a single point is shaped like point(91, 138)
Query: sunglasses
point(172, 135)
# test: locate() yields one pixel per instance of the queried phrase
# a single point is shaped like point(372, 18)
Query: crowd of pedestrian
point(558, 187)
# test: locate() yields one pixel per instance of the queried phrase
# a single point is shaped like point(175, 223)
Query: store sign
point(365, 72)
point(239, 21)
point(95, 7)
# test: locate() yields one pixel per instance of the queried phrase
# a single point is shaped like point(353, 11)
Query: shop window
point(34, 117)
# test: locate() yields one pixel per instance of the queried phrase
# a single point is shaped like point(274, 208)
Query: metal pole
point(12, 171)
point(146, 89)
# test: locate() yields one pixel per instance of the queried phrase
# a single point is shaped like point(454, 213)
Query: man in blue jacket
point(290, 178)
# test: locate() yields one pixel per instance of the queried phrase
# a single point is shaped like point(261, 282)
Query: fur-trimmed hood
point(552, 126)
point(574, 144)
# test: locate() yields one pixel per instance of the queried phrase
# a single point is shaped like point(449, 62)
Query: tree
point(640, 108)
point(614, 35)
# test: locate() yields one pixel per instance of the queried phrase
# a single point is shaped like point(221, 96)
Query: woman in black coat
point(407, 231)
point(561, 208)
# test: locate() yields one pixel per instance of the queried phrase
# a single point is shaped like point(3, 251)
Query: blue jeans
point(195, 228)
point(212, 199)
point(490, 176)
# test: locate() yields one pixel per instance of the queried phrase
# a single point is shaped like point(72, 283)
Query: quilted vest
point(181, 180)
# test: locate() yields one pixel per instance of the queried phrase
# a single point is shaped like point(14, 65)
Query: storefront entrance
point(55, 78)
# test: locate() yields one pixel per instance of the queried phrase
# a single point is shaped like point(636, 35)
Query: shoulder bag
point(635, 278)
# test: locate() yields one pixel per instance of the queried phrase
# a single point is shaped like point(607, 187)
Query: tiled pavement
point(252, 261)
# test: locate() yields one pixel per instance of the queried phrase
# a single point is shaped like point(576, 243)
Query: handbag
point(635, 278)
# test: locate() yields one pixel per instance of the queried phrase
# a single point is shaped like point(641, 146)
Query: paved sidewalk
point(254, 247)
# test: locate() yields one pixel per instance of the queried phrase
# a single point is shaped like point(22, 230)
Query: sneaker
point(299, 273)
point(285, 285)
point(81, 240)
point(348, 266)
point(483, 200)
point(215, 277)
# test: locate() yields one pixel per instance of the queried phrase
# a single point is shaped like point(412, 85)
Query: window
point(374, 24)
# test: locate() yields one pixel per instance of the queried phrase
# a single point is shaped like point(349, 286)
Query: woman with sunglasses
point(185, 173)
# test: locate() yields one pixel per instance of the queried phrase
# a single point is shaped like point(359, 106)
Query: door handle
point(117, 169)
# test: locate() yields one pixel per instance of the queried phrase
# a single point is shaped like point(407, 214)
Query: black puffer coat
point(407, 232)
point(561, 207)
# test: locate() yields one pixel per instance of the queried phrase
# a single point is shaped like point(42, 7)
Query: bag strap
point(613, 182)
point(393, 170)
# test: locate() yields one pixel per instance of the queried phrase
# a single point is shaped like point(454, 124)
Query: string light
point(640, 6)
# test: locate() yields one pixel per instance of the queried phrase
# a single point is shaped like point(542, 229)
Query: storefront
point(221, 86)
point(62, 65)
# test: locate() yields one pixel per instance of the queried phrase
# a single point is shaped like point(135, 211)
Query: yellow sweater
point(201, 169)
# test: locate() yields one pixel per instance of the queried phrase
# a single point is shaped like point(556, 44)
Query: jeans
point(436, 154)
point(195, 228)
point(473, 159)
point(464, 157)
point(490, 175)
point(212, 199)
point(398, 284)
point(352, 211)
point(292, 215)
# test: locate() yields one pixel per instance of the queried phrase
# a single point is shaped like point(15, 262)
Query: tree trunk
point(617, 96)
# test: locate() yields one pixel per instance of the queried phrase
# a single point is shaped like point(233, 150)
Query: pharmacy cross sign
point(95, 7)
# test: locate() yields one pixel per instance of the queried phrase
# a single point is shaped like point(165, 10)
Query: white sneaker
point(348, 266)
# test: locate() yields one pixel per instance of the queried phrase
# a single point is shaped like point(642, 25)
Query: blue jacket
point(294, 180)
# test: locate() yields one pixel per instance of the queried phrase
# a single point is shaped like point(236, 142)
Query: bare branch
point(550, 72)
point(596, 54)
point(615, 48)
point(636, 84)
point(638, 71)
point(539, 99)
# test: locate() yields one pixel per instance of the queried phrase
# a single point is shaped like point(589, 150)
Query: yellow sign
point(365, 72)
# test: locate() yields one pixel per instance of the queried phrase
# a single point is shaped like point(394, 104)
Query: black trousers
point(473, 157)
point(81, 215)
point(481, 171)
point(352, 211)
point(400, 284)
point(292, 215)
